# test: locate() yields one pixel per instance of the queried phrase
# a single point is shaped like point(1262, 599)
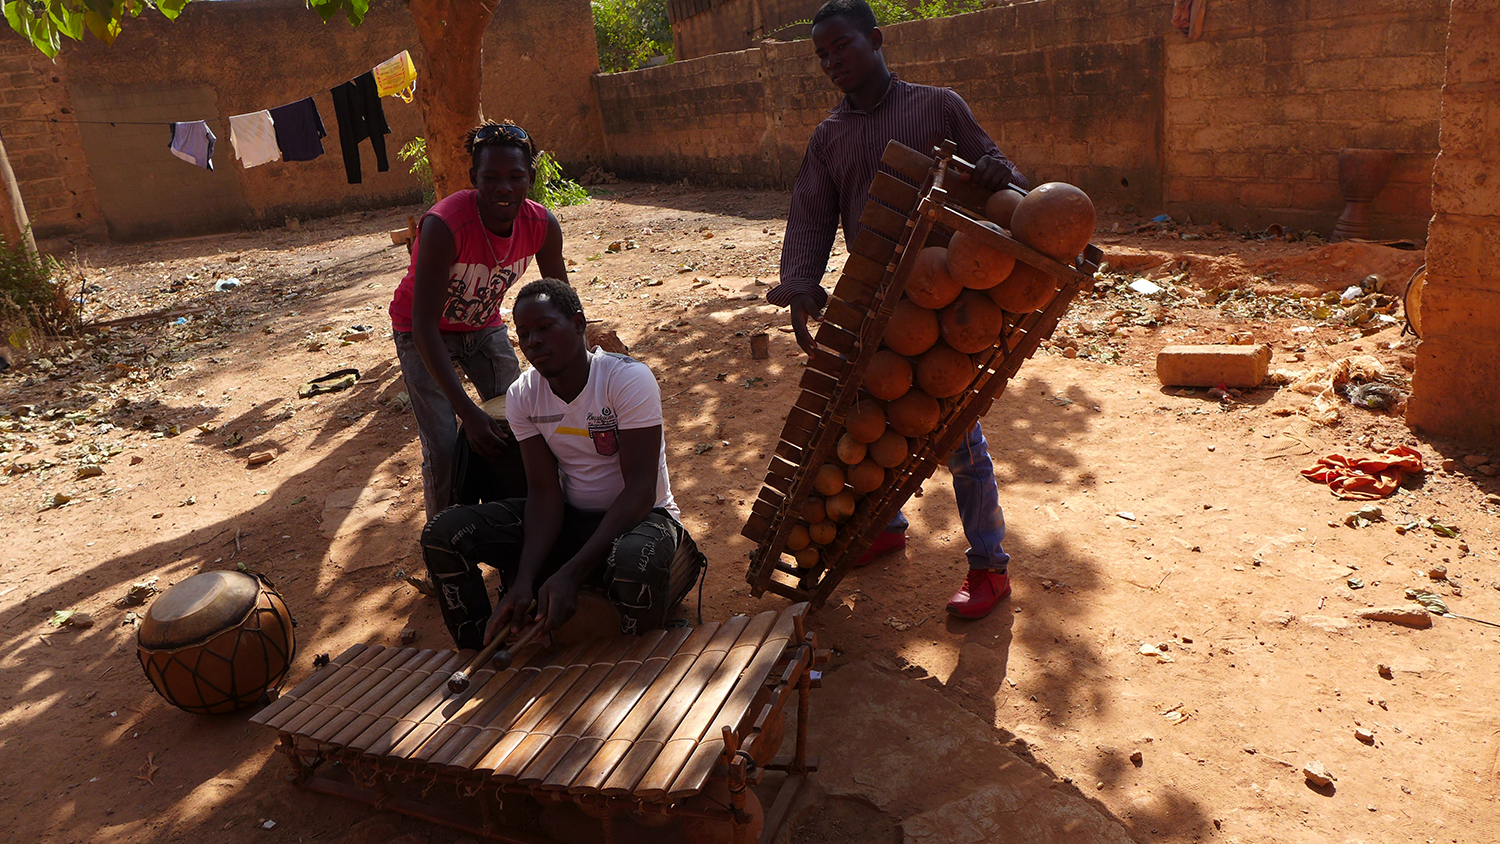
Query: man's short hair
point(492, 134)
point(857, 12)
point(562, 297)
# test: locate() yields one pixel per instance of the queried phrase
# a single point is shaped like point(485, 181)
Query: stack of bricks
point(1456, 387)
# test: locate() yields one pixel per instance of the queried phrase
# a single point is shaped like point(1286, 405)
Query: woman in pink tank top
point(472, 246)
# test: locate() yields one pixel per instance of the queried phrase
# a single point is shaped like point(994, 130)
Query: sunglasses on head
point(502, 130)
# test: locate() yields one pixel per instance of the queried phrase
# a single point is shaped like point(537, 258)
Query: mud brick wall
point(47, 157)
point(86, 180)
point(1243, 126)
point(1257, 110)
point(1456, 387)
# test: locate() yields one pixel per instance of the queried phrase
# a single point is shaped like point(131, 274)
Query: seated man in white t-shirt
point(599, 506)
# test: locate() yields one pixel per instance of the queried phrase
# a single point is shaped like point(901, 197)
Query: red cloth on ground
point(1365, 477)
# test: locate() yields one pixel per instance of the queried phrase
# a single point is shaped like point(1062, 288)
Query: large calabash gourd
point(813, 510)
point(799, 538)
point(977, 265)
point(972, 323)
point(890, 450)
point(1001, 206)
point(1055, 219)
point(915, 414)
point(865, 421)
point(705, 831)
point(841, 506)
point(866, 476)
point(888, 376)
point(944, 371)
point(1028, 289)
point(829, 480)
point(849, 450)
point(824, 532)
point(930, 284)
point(912, 329)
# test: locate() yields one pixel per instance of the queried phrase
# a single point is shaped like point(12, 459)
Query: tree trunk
point(452, 36)
point(15, 226)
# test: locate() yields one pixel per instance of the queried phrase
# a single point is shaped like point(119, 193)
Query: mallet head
point(502, 660)
point(458, 682)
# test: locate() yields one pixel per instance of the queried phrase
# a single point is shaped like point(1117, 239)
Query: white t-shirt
point(621, 395)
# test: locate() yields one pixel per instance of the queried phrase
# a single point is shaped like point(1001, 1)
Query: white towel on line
point(254, 138)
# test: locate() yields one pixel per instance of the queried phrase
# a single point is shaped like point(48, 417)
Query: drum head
point(197, 608)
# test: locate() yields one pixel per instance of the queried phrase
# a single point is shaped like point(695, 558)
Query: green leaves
point(354, 10)
point(45, 22)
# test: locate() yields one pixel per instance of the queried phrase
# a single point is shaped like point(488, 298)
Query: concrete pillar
point(1456, 387)
point(15, 226)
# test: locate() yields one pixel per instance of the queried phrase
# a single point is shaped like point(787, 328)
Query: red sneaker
point(884, 544)
point(982, 590)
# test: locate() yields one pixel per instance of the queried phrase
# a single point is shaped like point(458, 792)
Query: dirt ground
point(1138, 516)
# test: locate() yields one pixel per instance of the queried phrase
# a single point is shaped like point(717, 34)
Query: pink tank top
point(484, 268)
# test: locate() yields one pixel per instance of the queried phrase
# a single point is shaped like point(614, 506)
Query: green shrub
point(551, 189)
point(630, 33)
point(33, 296)
point(896, 11)
point(415, 151)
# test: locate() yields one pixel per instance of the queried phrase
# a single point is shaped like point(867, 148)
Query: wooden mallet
point(504, 658)
point(460, 679)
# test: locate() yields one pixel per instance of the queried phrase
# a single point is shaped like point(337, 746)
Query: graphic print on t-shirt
point(474, 291)
point(604, 430)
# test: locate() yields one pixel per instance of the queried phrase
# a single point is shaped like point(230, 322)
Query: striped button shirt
point(833, 183)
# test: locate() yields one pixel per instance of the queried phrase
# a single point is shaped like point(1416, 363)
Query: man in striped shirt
point(832, 188)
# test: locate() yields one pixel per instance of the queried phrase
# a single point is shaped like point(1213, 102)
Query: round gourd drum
point(216, 642)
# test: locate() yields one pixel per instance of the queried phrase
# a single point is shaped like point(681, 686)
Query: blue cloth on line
point(299, 130)
point(193, 142)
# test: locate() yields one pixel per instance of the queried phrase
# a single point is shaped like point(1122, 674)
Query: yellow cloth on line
point(397, 77)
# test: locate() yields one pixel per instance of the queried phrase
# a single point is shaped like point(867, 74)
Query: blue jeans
point(978, 503)
point(489, 361)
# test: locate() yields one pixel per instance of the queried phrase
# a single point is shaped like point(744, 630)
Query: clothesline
point(294, 131)
point(220, 118)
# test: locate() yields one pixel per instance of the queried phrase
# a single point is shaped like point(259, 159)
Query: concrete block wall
point(1456, 387)
point(705, 27)
point(220, 59)
point(1243, 126)
point(1045, 79)
point(1258, 109)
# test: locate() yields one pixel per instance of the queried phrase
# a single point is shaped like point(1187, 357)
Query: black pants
point(647, 572)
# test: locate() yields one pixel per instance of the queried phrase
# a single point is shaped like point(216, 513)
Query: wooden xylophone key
point(420, 660)
point(391, 726)
point(399, 699)
point(481, 732)
point(336, 684)
point(309, 687)
point(678, 748)
point(893, 192)
point(642, 752)
point(606, 754)
point(428, 725)
point(479, 710)
point(614, 684)
point(737, 705)
point(543, 703)
point(325, 710)
point(542, 727)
